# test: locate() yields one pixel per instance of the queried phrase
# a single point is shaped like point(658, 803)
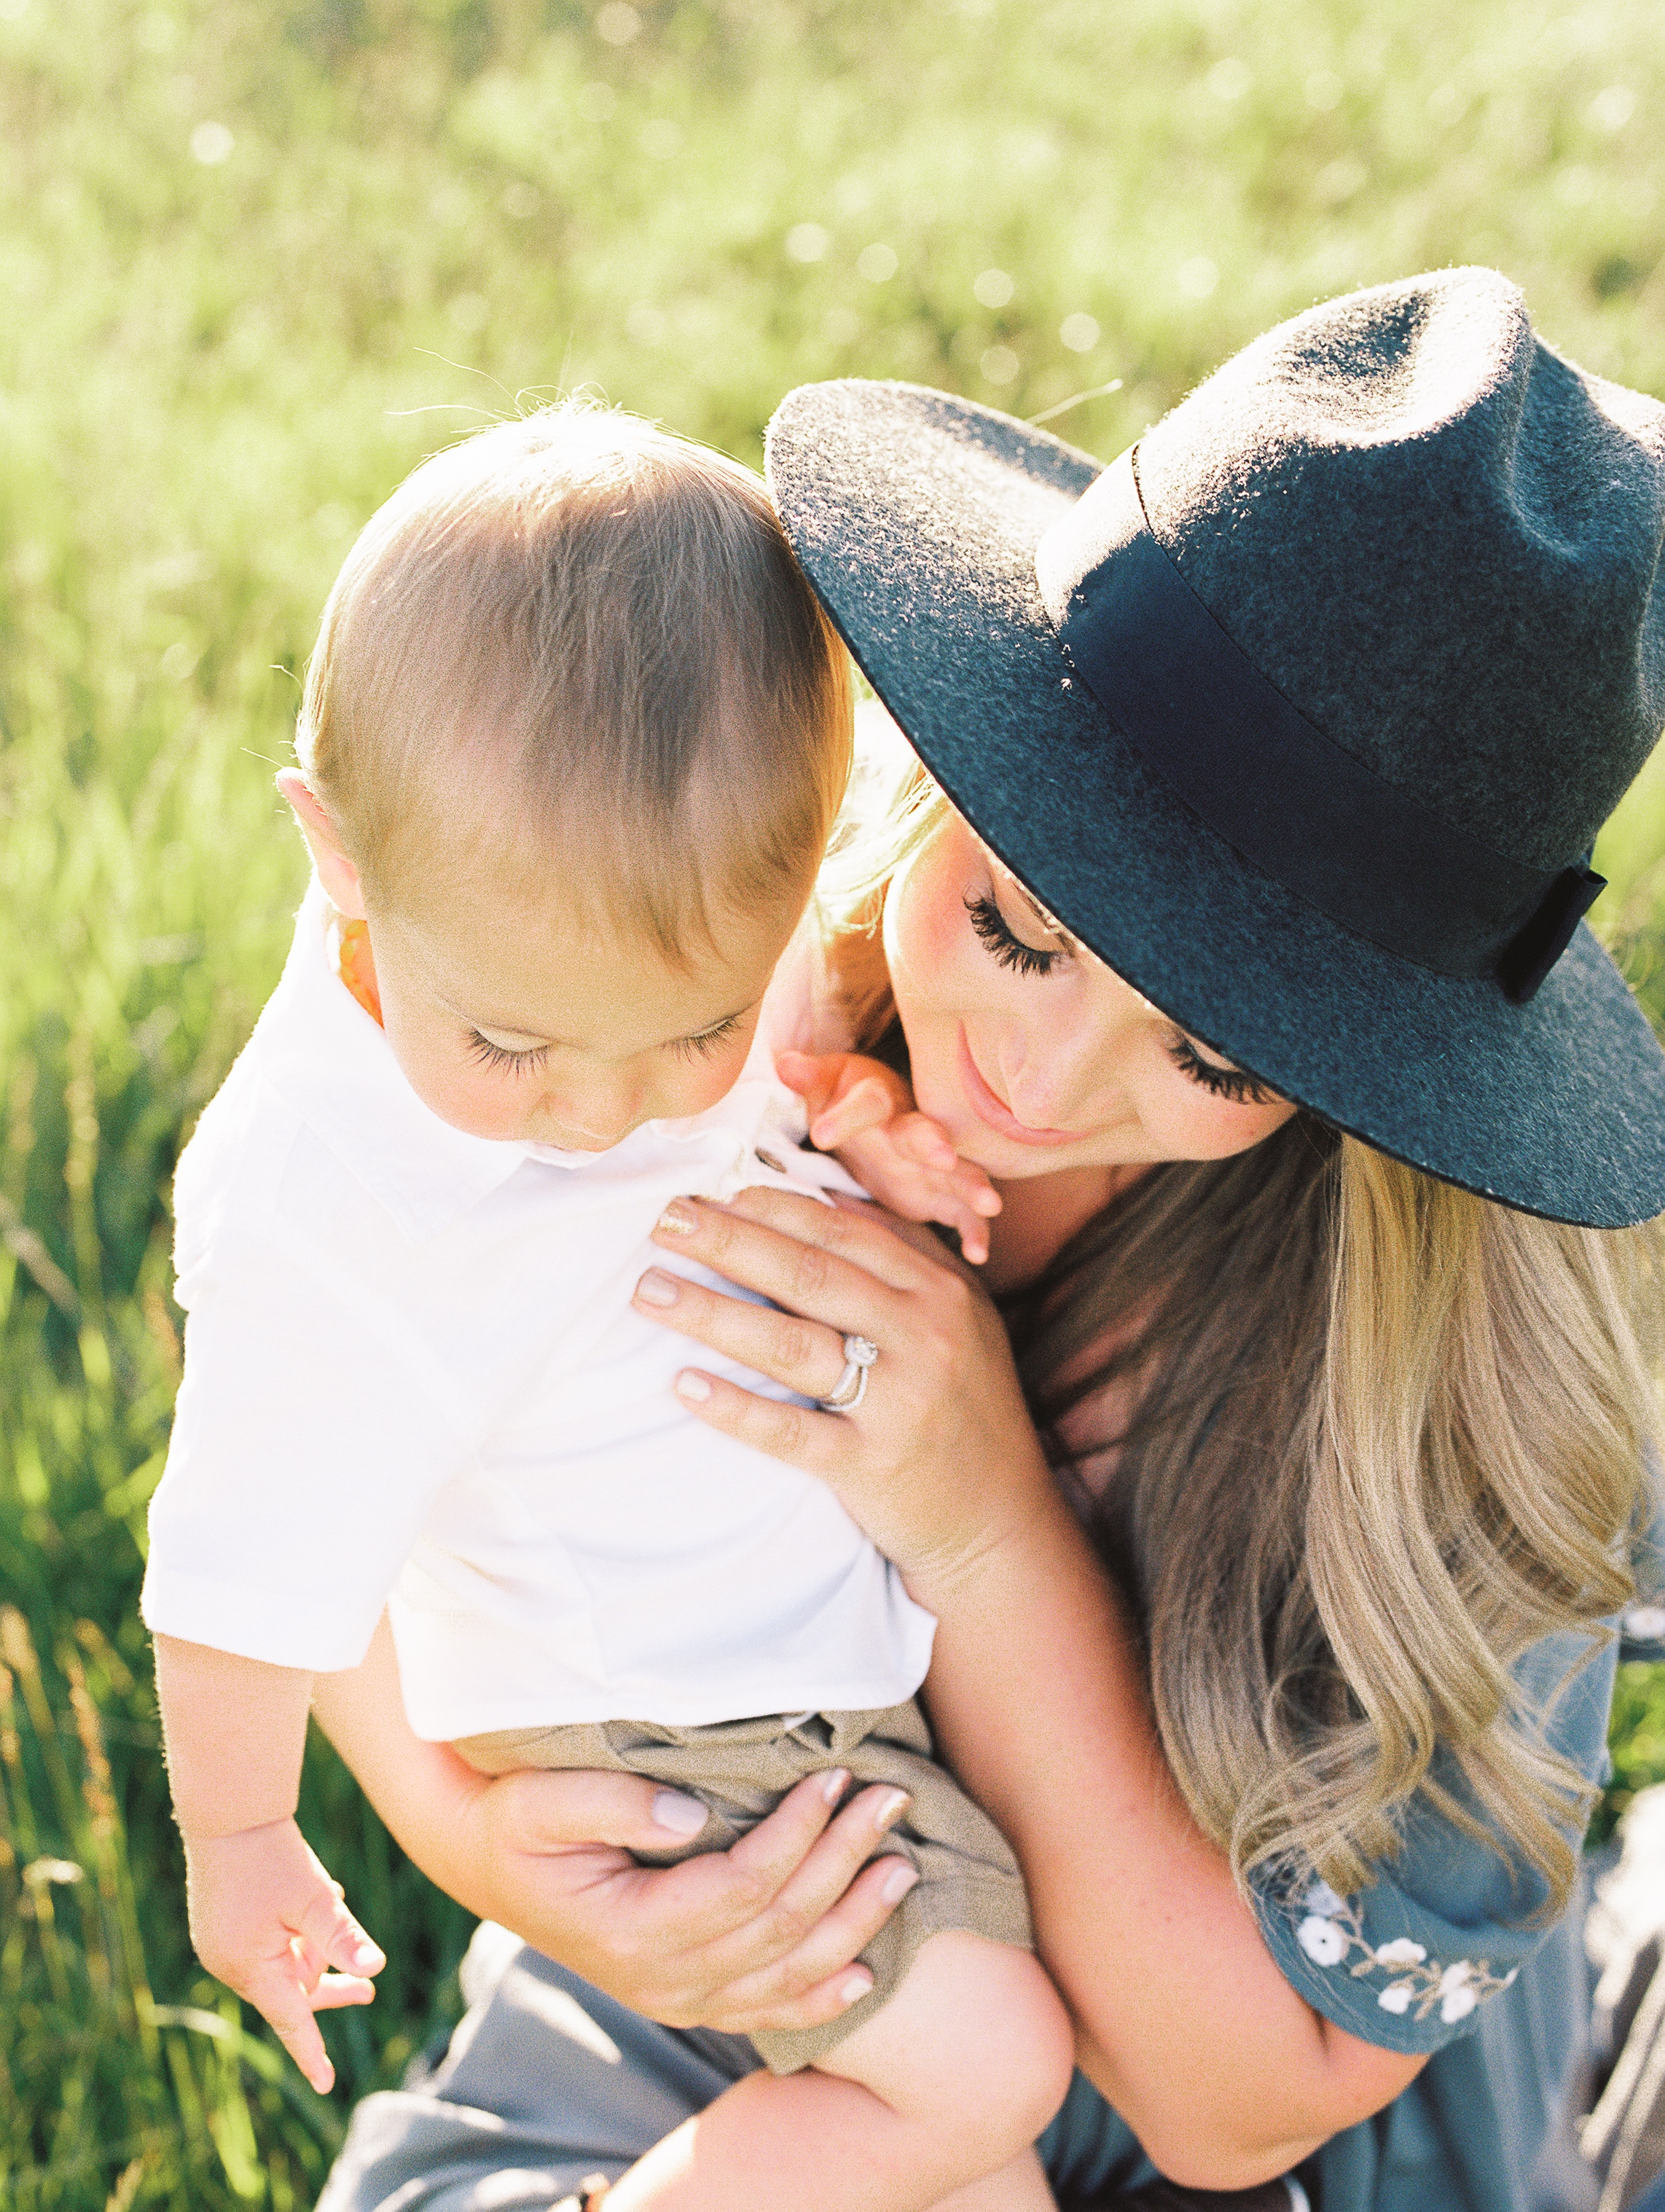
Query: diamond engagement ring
point(851, 1388)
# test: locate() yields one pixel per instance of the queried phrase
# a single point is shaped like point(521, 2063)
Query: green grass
point(399, 216)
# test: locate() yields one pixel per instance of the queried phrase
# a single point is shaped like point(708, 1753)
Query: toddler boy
point(574, 737)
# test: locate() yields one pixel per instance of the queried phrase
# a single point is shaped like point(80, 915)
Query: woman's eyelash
point(481, 1049)
point(1010, 951)
point(1232, 1083)
point(708, 1039)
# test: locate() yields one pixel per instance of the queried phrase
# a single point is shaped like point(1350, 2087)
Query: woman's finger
point(805, 1355)
point(548, 1810)
point(802, 1436)
point(782, 1894)
point(819, 1260)
point(724, 1904)
point(824, 1975)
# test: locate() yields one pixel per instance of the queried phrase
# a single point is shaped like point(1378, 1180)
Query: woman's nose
point(1056, 1073)
point(1048, 1085)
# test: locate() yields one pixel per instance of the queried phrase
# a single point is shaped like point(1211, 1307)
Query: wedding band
point(851, 1388)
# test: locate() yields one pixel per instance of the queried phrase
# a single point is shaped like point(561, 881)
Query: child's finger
point(973, 1237)
point(333, 1937)
point(922, 1139)
point(811, 1076)
point(954, 1210)
point(274, 1991)
point(866, 1105)
point(334, 1991)
point(974, 1186)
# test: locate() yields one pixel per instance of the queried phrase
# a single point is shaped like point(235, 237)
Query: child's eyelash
point(481, 1049)
point(1232, 1083)
point(1010, 951)
point(707, 1039)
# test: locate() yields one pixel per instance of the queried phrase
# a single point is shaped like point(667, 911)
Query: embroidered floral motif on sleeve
point(1330, 1931)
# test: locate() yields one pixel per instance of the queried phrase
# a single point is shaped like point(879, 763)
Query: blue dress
point(547, 2082)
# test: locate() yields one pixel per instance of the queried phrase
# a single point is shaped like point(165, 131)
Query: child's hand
point(865, 1112)
point(267, 1920)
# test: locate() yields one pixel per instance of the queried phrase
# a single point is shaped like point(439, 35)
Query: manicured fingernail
point(857, 1986)
point(892, 1809)
point(656, 1288)
point(678, 1220)
point(833, 1785)
point(683, 1816)
point(694, 1387)
point(898, 1885)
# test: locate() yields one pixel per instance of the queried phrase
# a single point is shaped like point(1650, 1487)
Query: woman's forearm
point(1184, 2021)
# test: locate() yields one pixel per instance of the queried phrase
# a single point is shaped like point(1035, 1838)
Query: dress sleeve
point(308, 1446)
point(1408, 1963)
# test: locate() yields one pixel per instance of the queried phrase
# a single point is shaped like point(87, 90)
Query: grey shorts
point(740, 1770)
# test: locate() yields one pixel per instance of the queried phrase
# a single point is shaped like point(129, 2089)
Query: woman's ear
point(336, 870)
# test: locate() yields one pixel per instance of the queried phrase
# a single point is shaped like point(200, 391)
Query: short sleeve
point(1409, 1963)
point(307, 1445)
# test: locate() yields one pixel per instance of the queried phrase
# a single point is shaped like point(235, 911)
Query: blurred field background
point(255, 260)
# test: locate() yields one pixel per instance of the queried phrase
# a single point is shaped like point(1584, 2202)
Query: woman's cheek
point(929, 947)
point(1219, 1128)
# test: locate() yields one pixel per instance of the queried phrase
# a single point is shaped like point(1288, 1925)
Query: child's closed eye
point(706, 1040)
point(488, 1055)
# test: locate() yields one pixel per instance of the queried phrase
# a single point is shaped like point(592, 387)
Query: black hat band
point(1284, 796)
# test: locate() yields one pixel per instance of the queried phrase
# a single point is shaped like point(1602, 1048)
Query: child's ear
point(336, 870)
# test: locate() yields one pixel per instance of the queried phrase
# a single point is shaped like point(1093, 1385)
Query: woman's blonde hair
point(1387, 1435)
point(581, 646)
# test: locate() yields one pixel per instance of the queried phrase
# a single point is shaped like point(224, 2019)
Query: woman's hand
point(760, 1936)
point(940, 1463)
point(1038, 1692)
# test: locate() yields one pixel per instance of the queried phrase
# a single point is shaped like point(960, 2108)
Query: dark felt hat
point(1304, 714)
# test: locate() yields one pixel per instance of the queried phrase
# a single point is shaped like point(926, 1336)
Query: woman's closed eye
point(1010, 950)
point(1233, 1083)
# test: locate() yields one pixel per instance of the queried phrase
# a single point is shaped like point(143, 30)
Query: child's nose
point(599, 1114)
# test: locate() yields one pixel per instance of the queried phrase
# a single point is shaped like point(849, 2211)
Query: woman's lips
point(987, 1108)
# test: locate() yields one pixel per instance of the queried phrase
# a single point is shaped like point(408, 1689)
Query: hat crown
point(1440, 542)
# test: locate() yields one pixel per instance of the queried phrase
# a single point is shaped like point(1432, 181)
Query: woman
point(1277, 753)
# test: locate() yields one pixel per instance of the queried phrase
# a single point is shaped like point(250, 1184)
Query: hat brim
point(915, 516)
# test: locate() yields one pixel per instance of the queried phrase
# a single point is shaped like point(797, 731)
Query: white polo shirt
point(414, 1377)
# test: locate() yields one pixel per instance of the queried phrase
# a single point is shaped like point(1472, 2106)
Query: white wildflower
point(1322, 1940)
point(1401, 1952)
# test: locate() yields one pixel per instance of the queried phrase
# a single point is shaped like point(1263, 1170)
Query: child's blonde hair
point(577, 646)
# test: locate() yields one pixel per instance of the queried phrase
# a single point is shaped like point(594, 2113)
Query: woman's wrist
point(981, 1573)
